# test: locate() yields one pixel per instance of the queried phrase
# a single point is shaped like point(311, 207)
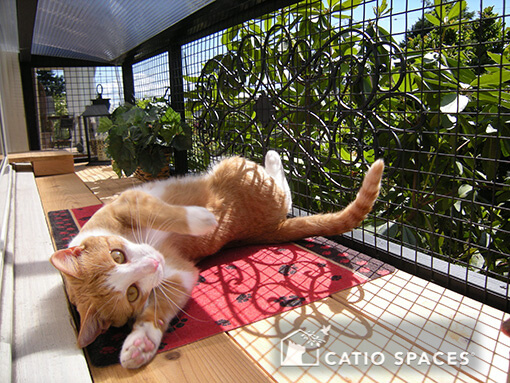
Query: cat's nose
point(155, 263)
point(149, 265)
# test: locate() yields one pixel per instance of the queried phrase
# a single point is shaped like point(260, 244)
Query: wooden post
point(177, 99)
point(128, 82)
point(27, 83)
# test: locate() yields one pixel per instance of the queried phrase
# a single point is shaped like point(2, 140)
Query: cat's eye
point(132, 293)
point(118, 256)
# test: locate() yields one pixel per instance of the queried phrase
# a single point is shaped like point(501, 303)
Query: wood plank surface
point(7, 299)
point(64, 192)
point(44, 340)
point(214, 359)
point(45, 163)
point(38, 155)
point(54, 166)
point(104, 182)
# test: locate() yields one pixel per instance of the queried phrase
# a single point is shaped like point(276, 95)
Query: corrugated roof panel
point(103, 29)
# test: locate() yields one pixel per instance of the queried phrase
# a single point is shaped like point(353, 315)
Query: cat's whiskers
point(105, 303)
point(166, 224)
point(155, 308)
point(100, 309)
point(162, 291)
point(138, 221)
point(148, 226)
point(113, 310)
point(168, 284)
point(150, 235)
point(134, 226)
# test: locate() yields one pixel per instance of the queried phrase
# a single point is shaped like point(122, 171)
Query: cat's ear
point(90, 327)
point(66, 260)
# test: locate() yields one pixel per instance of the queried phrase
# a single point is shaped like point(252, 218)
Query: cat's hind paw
point(140, 346)
point(273, 163)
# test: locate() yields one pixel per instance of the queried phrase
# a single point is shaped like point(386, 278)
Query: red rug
point(239, 286)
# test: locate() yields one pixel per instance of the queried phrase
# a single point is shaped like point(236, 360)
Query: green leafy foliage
point(143, 135)
point(53, 83)
point(449, 191)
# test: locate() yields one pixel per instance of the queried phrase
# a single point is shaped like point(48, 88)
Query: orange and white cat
point(135, 258)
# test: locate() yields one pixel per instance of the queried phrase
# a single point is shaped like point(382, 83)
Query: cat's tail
point(334, 223)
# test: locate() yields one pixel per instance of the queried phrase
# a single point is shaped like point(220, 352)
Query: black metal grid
point(332, 86)
point(61, 96)
point(151, 77)
point(440, 124)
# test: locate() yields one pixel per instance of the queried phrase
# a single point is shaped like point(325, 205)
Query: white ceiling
point(103, 30)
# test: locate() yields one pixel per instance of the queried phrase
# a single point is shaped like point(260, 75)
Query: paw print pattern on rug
point(288, 270)
point(176, 323)
point(291, 301)
point(242, 298)
point(223, 322)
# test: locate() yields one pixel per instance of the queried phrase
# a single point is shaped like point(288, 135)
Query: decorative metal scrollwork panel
point(327, 109)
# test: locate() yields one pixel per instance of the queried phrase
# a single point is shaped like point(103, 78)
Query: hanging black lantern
point(95, 141)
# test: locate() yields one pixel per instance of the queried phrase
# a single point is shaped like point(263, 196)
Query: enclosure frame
point(220, 16)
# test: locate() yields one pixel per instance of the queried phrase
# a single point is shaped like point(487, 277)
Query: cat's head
point(109, 280)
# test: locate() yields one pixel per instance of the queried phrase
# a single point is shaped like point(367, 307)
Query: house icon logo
point(301, 348)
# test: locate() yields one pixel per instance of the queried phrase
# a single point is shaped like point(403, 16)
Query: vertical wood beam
point(177, 99)
point(128, 81)
point(27, 83)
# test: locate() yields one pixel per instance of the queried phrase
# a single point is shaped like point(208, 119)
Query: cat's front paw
point(140, 346)
point(200, 220)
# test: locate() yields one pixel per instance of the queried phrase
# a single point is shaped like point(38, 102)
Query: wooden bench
point(42, 337)
point(46, 163)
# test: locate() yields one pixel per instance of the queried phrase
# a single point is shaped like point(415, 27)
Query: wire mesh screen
point(151, 77)
point(152, 82)
point(62, 96)
point(334, 85)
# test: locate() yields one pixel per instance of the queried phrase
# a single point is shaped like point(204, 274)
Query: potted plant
point(141, 138)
